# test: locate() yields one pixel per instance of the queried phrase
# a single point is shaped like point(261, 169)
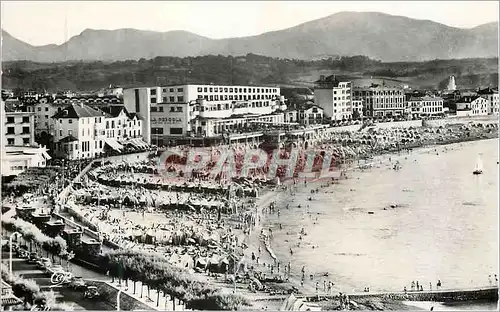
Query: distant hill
point(249, 69)
point(376, 35)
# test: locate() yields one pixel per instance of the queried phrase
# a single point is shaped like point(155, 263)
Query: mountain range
point(376, 35)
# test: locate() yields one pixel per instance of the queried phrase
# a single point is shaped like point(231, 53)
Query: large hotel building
point(381, 101)
point(190, 110)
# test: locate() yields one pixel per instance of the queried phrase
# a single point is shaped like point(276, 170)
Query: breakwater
point(452, 295)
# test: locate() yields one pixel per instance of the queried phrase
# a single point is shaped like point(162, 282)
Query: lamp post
point(10, 253)
point(118, 298)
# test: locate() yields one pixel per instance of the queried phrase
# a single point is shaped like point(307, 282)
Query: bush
point(155, 271)
point(30, 232)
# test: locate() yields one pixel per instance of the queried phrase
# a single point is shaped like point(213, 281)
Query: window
point(220, 89)
point(157, 130)
point(39, 109)
point(172, 109)
point(10, 130)
point(70, 121)
point(171, 90)
point(180, 99)
point(153, 100)
point(200, 89)
point(211, 89)
point(153, 91)
point(46, 109)
point(225, 89)
point(26, 141)
point(179, 109)
point(160, 109)
point(60, 133)
point(230, 89)
point(70, 132)
point(46, 116)
point(180, 90)
point(154, 109)
point(10, 141)
point(164, 99)
point(172, 99)
point(10, 120)
point(175, 130)
point(205, 89)
point(26, 119)
point(216, 90)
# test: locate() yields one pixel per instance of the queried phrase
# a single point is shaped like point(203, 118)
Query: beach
point(356, 256)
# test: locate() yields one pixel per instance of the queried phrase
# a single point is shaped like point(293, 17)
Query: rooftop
point(75, 110)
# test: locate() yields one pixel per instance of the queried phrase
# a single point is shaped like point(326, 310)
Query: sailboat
point(479, 166)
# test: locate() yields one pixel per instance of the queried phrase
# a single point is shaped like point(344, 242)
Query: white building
point(451, 84)
point(16, 155)
point(492, 96)
point(469, 106)
point(425, 106)
point(334, 97)
point(357, 106)
point(218, 127)
point(121, 127)
point(79, 132)
point(174, 107)
point(19, 125)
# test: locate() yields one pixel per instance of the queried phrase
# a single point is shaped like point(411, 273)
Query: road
point(63, 294)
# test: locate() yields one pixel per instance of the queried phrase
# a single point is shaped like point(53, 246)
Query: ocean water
point(445, 225)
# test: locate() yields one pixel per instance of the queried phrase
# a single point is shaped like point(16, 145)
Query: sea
point(383, 228)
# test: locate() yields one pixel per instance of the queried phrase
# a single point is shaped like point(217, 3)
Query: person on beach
point(430, 286)
point(412, 285)
point(438, 285)
point(317, 287)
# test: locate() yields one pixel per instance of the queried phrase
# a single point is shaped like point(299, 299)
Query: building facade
point(19, 125)
point(425, 106)
point(469, 106)
point(334, 97)
point(16, 156)
point(492, 96)
point(79, 132)
point(174, 108)
point(381, 101)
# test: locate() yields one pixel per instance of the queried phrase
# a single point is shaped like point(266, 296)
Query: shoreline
point(294, 280)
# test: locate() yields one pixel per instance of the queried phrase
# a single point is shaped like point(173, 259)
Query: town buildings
point(306, 115)
point(79, 132)
point(19, 150)
point(19, 123)
point(189, 110)
point(425, 106)
point(492, 96)
point(334, 97)
point(381, 101)
point(469, 106)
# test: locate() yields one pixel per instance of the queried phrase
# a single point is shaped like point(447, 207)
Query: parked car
point(22, 253)
point(91, 292)
point(43, 263)
point(77, 283)
point(33, 258)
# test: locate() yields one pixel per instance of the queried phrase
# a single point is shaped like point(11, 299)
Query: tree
point(355, 115)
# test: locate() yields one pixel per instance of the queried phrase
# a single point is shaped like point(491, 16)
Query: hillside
point(250, 69)
point(376, 35)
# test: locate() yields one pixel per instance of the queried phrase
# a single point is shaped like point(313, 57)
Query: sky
point(47, 22)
